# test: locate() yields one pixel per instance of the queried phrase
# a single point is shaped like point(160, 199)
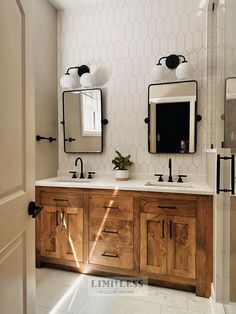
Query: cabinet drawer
point(111, 255)
point(115, 231)
point(61, 199)
point(168, 206)
point(112, 207)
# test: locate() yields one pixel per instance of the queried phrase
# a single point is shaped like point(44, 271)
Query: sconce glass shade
point(184, 70)
point(86, 80)
point(67, 81)
point(159, 73)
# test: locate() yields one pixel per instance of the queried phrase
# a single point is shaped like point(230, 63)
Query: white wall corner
point(216, 308)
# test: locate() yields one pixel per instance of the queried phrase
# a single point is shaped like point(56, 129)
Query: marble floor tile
point(63, 292)
point(62, 277)
point(198, 304)
point(117, 305)
point(46, 310)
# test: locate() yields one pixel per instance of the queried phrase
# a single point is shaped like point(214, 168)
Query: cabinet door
point(50, 232)
point(153, 243)
point(181, 246)
point(72, 233)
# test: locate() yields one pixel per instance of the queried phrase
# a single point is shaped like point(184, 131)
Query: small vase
point(122, 175)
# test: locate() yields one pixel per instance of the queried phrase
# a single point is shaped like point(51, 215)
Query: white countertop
point(196, 185)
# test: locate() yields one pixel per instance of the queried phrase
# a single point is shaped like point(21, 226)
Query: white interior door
point(17, 277)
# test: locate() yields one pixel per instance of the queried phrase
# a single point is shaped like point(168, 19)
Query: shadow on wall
point(101, 74)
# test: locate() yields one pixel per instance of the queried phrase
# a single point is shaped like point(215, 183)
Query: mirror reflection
point(230, 113)
point(172, 117)
point(82, 116)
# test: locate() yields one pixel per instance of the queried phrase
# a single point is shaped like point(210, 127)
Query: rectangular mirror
point(82, 121)
point(230, 113)
point(172, 117)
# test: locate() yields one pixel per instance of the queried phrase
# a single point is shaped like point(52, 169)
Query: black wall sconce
point(86, 79)
point(184, 69)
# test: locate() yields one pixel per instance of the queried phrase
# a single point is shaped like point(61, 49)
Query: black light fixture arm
point(81, 70)
point(71, 68)
point(172, 61)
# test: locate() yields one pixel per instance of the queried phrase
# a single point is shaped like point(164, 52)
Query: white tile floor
point(65, 292)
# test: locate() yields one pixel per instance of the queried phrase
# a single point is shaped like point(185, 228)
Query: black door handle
point(34, 210)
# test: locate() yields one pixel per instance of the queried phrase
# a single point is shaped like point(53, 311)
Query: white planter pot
point(122, 175)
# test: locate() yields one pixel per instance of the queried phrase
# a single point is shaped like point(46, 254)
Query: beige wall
point(45, 45)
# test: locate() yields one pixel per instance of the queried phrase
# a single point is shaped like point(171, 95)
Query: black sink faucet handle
point(160, 177)
point(74, 174)
point(180, 178)
point(90, 174)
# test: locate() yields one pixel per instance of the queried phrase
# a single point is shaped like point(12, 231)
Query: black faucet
point(170, 179)
point(81, 167)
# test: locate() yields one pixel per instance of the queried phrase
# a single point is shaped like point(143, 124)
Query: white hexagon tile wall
point(125, 39)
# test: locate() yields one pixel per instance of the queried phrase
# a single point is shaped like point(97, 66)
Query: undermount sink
point(169, 184)
point(71, 180)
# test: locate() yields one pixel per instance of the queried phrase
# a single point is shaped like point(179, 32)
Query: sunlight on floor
point(63, 292)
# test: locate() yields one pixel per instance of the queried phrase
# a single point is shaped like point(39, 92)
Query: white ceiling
point(67, 4)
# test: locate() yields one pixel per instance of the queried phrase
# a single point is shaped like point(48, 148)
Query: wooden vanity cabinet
point(168, 237)
point(165, 237)
point(59, 226)
point(111, 231)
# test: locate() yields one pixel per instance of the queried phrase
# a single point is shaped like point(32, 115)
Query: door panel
point(181, 246)
point(153, 243)
point(72, 234)
point(50, 232)
point(17, 234)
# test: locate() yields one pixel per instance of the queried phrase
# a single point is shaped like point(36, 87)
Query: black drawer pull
point(163, 229)
point(170, 229)
point(57, 218)
point(110, 231)
point(61, 200)
point(111, 207)
point(167, 207)
point(63, 225)
point(107, 254)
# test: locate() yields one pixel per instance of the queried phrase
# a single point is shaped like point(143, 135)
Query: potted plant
point(121, 164)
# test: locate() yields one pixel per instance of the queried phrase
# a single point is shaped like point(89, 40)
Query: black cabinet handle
point(57, 218)
point(112, 255)
point(63, 219)
point(167, 207)
point(111, 207)
point(110, 231)
point(61, 200)
point(34, 210)
point(163, 229)
point(170, 229)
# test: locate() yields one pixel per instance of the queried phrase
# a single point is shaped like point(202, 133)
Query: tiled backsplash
point(124, 39)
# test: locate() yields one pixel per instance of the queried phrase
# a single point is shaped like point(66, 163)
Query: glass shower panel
point(230, 113)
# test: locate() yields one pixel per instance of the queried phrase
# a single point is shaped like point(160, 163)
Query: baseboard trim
point(216, 308)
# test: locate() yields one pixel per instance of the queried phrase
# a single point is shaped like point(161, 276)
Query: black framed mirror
point(172, 117)
point(83, 121)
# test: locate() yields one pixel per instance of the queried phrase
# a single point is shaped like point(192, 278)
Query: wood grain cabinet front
point(59, 227)
point(165, 237)
point(168, 236)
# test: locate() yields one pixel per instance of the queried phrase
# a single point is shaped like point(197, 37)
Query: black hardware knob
point(105, 121)
point(90, 174)
point(180, 178)
point(160, 177)
point(34, 210)
point(74, 174)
